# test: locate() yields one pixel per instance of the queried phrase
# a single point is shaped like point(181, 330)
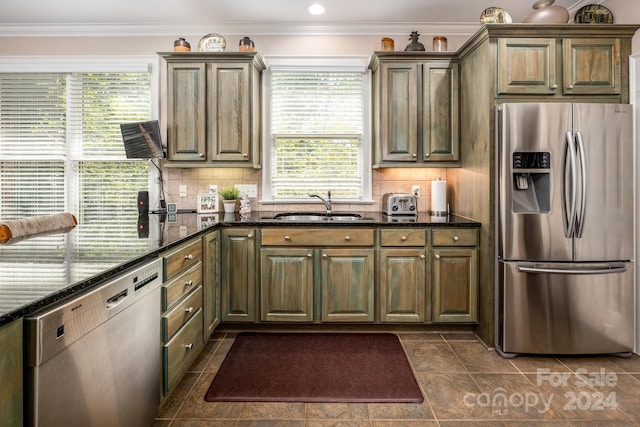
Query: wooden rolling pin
point(25, 227)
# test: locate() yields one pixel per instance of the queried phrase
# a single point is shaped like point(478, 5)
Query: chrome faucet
point(327, 201)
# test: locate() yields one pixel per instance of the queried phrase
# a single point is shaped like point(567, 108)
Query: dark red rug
point(315, 367)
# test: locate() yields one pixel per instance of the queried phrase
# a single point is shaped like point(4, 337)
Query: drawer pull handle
point(324, 255)
point(437, 256)
point(414, 155)
point(348, 238)
point(554, 87)
point(456, 238)
point(189, 310)
point(249, 236)
point(309, 255)
point(189, 257)
point(570, 87)
point(245, 155)
point(287, 238)
point(189, 283)
point(403, 238)
point(201, 154)
point(422, 256)
point(188, 346)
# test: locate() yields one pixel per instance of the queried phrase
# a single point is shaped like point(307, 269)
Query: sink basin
point(313, 216)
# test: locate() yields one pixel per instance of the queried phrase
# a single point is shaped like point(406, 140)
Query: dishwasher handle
point(117, 299)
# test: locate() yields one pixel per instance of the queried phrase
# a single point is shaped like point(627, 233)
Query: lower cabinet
point(317, 274)
point(238, 275)
point(211, 282)
point(455, 275)
point(11, 367)
point(182, 311)
point(403, 285)
point(347, 285)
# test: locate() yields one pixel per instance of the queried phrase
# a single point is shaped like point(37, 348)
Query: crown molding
point(242, 29)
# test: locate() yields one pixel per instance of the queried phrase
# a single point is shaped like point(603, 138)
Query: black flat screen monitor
point(142, 140)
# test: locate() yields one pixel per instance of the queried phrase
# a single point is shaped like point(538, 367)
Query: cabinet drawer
point(302, 236)
point(454, 237)
point(179, 353)
point(178, 316)
point(403, 237)
point(182, 258)
point(181, 285)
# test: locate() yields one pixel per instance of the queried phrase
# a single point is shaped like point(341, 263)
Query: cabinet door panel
point(238, 292)
point(211, 282)
point(455, 285)
point(592, 66)
point(186, 121)
point(399, 114)
point(402, 285)
point(229, 111)
point(527, 66)
point(347, 285)
point(286, 284)
point(440, 112)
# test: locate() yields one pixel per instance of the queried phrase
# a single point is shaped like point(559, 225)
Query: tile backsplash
point(388, 180)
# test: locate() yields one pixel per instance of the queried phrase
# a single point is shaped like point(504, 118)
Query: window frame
point(316, 64)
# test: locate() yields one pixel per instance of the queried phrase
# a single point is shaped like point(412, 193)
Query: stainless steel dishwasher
point(94, 360)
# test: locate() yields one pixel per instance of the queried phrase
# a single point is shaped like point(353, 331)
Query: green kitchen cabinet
point(402, 276)
point(213, 108)
point(558, 67)
point(415, 110)
point(286, 284)
point(211, 282)
point(347, 277)
point(11, 369)
point(238, 275)
point(454, 257)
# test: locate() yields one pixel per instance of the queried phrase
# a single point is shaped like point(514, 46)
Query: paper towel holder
point(439, 198)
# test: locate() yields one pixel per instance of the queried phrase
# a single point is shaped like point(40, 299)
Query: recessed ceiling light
point(315, 9)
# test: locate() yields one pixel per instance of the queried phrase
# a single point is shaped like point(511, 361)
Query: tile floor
point(463, 383)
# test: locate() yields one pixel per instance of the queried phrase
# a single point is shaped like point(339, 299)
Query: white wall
point(634, 92)
point(626, 12)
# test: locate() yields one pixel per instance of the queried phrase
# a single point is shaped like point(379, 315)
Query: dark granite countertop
point(37, 272)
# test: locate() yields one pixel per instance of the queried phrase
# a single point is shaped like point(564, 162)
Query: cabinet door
point(238, 293)
point(11, 367)
point(402, 285)
point(186, 115)
point(592, 66)
point(440, 140)
point(527, 66)
point(455, 285)
point(399, 112)
point(286, 290)
point(229, 103)
point(211, 282)
point(347, 285)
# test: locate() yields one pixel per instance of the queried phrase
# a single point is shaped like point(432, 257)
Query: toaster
point(399, 204)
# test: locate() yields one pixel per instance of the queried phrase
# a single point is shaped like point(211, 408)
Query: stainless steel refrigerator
point(565, 280)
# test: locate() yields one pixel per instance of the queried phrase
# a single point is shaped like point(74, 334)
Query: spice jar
point(439, 44)
point(387, 44)
point(181, 45)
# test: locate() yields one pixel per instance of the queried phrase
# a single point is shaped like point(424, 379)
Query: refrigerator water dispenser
point(531, 192)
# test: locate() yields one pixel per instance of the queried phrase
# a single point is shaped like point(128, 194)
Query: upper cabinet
point(578, 62)
point(559, 67)
point(213, 108)
point(415, 109)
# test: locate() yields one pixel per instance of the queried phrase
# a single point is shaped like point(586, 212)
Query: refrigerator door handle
point(569, 218)
point(583, 184)
point(600, 270)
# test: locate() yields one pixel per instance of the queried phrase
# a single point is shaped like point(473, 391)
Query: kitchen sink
point(314, 216)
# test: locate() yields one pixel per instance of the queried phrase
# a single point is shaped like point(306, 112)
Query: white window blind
point(317, 122)
point(61, 150)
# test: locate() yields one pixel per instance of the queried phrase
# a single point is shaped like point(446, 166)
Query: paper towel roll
point(439, 197)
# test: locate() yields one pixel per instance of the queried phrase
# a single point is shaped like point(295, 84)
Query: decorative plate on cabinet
point(593, 14)
point(495, 15)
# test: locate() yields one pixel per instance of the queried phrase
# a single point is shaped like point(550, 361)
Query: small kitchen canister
point(388, 44)
point(181, 45)
point(440, 44)
point(246, 45)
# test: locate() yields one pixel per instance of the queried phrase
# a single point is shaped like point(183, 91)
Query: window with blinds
point(317, 135)
point(61, 150)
